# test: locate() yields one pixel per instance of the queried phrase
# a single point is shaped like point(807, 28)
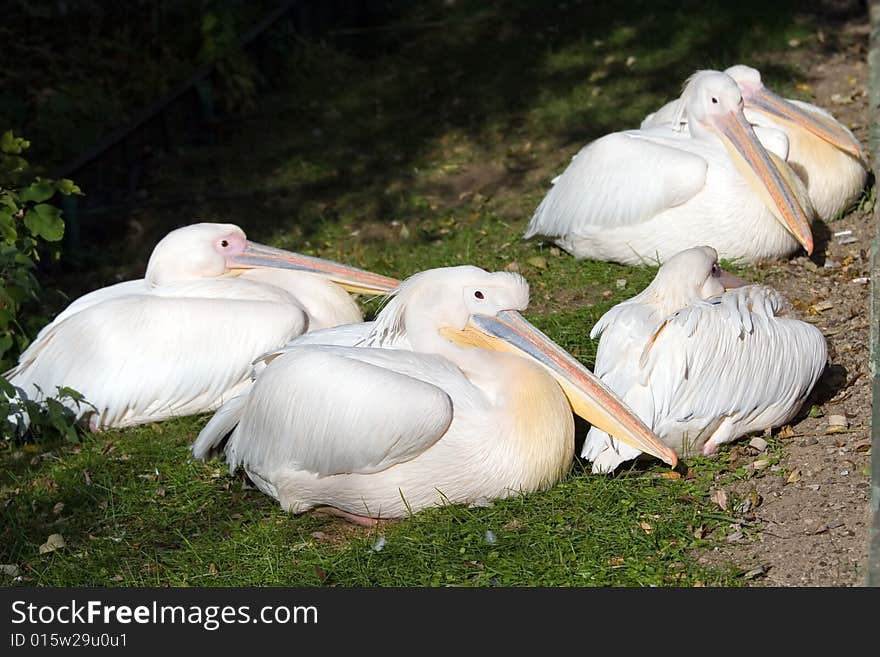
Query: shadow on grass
point(353, 122)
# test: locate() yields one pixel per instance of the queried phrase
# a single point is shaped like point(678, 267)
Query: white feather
point(390, 417)
point(641, 196)
point(833, 178)
point(334, 425)
point(143, 358)
point(179, 341)
point(710, 371)
point(667, 177)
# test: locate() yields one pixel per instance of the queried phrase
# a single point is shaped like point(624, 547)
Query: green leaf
point(16, 294)
point(22, 258)
point(38, 192)
point(7, 227)
point(69, 393)
point(12, 165)
point(68, 187)
point(45, 221)
point(9, 143)
point(6, 388)
point(9, 200)
point(58, 414)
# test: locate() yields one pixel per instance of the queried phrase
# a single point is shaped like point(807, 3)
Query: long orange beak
point(778, 108)
point(351, 278)
point(730, 282)
point(757, 167)
point(590, 398)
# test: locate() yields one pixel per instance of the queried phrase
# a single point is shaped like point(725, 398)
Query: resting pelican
point(699, 365)
point(428, 409)
point(640, 196)
point(821, 151)
point(182, 339)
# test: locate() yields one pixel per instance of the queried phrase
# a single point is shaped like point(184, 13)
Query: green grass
point(419, 148)
point(137, 511)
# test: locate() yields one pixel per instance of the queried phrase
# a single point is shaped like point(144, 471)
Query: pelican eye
point(714, 100)
point(224, 243)
point(716, 271)
point(479, 295)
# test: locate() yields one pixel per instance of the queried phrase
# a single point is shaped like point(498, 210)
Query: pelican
point(700, 365)
point(821, 151)
point(182, 339)
point(641, 196)
point(449, 396)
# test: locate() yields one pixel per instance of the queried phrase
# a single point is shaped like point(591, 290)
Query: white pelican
point(424, 411)
point(699, 365)
point(821, 151)
point(182, 339)
point(640, 196)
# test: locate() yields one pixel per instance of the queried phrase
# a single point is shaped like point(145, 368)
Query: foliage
point(29, 224)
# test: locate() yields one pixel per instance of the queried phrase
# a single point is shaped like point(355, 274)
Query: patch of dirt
point(812, 521)
point(566, 297)
point(373, 231)
point(337, 532)
point(458, 188)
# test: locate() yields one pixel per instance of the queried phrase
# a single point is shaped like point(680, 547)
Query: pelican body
point(641, 196)
point(182, 339)
point(700, 365)
point(821, 151)
point(449, 396)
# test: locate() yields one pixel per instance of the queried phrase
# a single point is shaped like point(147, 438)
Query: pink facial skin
point(230, 245)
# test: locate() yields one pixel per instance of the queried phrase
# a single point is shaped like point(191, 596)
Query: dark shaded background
point(75, 72)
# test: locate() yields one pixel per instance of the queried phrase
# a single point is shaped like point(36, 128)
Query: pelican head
point(688, 276)
point(714, 105)
point(193, 252)
point(470, 307)
point(209, 250)
point(759, 98)
point(445, 298)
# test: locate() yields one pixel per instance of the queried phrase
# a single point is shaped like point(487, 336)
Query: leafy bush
point(29, 225)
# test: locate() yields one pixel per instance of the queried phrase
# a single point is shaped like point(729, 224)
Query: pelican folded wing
point(368, 416)
point(618, 180)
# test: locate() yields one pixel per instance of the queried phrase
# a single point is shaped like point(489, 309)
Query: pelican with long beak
point(182, 339)
point(641, 196)
point(449, 396)
point(703, 359)
point(821, 151)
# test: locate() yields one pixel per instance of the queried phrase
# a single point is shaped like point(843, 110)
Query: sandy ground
point(805, 521)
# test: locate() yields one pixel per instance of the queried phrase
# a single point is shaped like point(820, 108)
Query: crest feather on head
point(430, 285)
point(688, 89)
